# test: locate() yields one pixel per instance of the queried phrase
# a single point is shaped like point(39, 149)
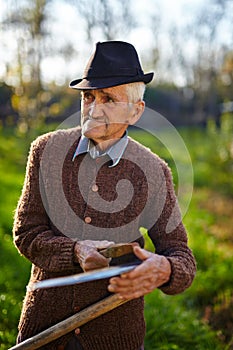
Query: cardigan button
point(77, 308)
point(87, 220)
point(95, 188)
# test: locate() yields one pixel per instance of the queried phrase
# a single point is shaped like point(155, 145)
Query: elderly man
point(88, 187)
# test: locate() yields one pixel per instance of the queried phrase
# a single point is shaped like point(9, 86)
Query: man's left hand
point(154, 271)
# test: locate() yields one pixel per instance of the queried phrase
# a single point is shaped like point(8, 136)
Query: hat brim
point(101, 83)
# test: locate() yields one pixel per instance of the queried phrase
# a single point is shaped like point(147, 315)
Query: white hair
point(135, 91)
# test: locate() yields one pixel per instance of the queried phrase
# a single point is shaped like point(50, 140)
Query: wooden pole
point(70, 323)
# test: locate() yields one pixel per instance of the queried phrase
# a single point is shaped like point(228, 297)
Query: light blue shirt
point(115, 152)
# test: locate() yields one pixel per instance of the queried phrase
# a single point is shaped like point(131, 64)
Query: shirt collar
point(115, 152)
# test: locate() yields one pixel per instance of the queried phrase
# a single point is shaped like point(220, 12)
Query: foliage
point(35, 108)
point(212, 155)
point(211, 152)
point(14, 269)
point(13, 279)
point(193, 319)
point(172, 325)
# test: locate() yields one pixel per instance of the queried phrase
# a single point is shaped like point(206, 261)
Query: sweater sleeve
point(32, 230)
point(169, 237)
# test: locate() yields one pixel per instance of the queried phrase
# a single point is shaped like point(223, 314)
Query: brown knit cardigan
point(57, 197)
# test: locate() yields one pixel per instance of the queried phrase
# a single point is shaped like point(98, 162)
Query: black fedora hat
point(113, 63)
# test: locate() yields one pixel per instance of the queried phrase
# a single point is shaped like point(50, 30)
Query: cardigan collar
point(115, 152)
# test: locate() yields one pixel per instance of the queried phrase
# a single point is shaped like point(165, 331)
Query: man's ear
point(138, 110)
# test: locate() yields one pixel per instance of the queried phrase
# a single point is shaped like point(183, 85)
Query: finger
point(144, 280)
point(135, 244)
point(134, 294)
point(122, 285)
point(103, 244)
point(95, 261)
point(134, 290)
point(142, 254)
point(92, 266)
point(95, 256)
point(131, 294)
point(122, 289)
point(118, 281)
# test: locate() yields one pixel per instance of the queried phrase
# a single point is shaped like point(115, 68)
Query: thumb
point(140, 253)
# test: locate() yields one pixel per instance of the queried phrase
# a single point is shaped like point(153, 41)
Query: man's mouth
point(94, 120)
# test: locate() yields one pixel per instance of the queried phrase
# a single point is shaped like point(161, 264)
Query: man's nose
point(96, 109)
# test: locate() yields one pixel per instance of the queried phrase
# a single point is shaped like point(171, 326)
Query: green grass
point(172, 325)
point(13, 280)
point(200, 317)
point(14, 269)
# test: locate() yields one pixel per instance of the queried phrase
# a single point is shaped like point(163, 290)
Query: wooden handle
point(116, 250)
point(70, 323)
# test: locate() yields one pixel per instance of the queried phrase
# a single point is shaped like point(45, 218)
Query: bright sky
point(171, 12)
point(68, 29)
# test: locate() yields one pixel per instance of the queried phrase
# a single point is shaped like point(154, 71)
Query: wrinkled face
point(106, 113)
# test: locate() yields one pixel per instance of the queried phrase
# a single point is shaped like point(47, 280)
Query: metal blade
point(83, 277)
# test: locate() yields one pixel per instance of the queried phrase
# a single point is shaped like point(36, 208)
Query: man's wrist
point(75, 254)
point(168, 269)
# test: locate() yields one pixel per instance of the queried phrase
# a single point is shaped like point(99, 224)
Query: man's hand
point(86, 254)
point(154, 271)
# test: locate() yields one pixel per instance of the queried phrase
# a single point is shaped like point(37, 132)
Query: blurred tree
point(207, 68)
point(28, 22)
point(227, 76)
point(7, 114)
point(194, 56)
point(112, 18)
point(201, 71)
point(154, 23)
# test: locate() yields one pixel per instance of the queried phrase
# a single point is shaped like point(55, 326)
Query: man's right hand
point(87, 255)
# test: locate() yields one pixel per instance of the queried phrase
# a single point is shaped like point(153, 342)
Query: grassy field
point(201, 317)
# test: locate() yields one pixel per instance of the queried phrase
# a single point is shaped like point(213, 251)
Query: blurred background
point(189, 46)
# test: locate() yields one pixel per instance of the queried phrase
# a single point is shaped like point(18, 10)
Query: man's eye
point(109, 99)
point(88, 98)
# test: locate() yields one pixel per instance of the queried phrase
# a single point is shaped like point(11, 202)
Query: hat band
point(126, 72)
